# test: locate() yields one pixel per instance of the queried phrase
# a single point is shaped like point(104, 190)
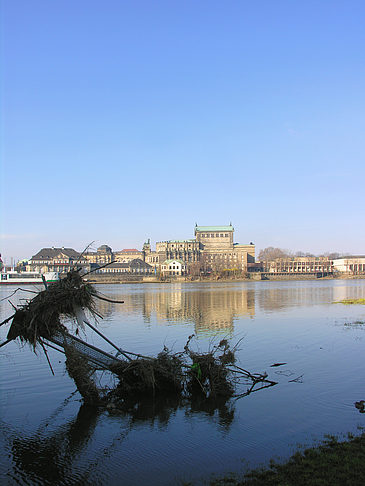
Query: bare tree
point(194, 269)
point(270, 253)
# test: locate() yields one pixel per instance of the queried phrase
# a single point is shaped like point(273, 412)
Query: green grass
point(351, 301)
point(332, 463)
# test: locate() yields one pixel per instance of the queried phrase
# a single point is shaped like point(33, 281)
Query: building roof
point(349, 257)
point(136, 263)
point(129, 250)
point(117, 265)
point(105, 248)
point(214, 228)
point(182, 241)
point(167, 262)
point(49, 253)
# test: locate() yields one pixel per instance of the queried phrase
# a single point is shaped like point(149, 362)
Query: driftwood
point(187, 374)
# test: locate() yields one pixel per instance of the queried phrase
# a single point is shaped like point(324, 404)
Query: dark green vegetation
point(332, 463)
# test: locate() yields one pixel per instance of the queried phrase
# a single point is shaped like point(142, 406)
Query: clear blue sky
point(123, 120)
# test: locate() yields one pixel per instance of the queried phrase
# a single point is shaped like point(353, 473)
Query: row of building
point(212, 250)
point(354, 265)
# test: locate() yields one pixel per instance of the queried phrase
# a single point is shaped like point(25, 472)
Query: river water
point(48, 437)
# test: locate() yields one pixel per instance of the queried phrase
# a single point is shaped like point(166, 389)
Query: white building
point(173, 267)
point(353, 264)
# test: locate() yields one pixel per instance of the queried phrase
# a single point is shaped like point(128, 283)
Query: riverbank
point(254, 277)
point(333, 463)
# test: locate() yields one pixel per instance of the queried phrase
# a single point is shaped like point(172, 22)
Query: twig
point(237, 343)
point(80, 316)
point(44, 282)
point(45, 352)
point(244, 371)
point(94, 270)
point(54, 347)
point(13, 306)
point(121, 351)
point(82, 253)
point(7, 320)
point(15, 291)
point(296, 380)
point(108, 300)
point(5, 342)
point(248, 392)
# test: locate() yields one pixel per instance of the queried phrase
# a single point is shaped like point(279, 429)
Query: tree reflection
point(47, 459)
point(56, 457)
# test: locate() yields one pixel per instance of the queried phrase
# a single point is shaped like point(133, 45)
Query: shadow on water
point(62, 456)
point(47, 458)
point(160, 409)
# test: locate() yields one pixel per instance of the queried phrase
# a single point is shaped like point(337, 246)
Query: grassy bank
point(332, 463)
point(351, 301)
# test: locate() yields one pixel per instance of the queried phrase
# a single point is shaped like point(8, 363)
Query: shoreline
point(334, 462)
point(107, 279)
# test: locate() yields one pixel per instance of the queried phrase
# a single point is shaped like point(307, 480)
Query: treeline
point(270, 253)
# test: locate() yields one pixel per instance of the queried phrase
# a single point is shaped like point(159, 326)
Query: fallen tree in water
point(187, 374)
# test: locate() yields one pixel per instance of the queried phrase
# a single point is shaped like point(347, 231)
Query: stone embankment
point(118, 279)
point(257, 276)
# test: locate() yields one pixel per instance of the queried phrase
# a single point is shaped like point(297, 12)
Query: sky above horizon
point(128, 120)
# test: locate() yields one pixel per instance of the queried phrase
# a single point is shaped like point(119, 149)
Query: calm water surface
point(48, 437)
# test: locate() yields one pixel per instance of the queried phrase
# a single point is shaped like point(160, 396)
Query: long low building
point(299, 265)
point(354, 265)
point(134, 266)
point(351, 265)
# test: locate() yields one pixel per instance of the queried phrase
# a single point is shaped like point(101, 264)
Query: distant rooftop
point(167, 262)
point(182, 241)
point(136, 263)
point(349, 256)
point(214, 228)
point(49, 253)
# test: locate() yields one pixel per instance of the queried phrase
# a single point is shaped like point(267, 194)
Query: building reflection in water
point(214, 308)
point(211, 310)
point(273, 296)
